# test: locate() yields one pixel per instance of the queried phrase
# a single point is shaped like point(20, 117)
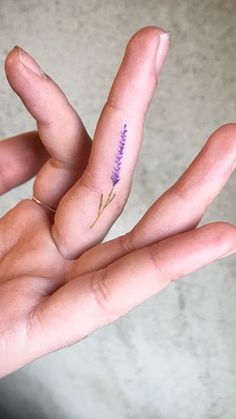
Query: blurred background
point(174, 356)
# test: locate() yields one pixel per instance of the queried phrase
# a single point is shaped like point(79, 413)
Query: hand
point(57, 283)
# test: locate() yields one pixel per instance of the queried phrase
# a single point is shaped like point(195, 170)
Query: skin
point(58, 282)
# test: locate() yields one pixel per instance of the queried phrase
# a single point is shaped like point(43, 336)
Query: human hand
point(58, 283)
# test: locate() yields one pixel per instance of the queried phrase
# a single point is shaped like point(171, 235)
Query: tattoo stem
point(102, 207)
point(115, 176)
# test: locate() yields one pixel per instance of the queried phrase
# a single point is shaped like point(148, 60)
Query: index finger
point(60, 128)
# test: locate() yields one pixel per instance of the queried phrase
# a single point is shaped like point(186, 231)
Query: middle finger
point(92, 205)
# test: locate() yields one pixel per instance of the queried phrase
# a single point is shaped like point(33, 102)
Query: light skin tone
point(58, 282)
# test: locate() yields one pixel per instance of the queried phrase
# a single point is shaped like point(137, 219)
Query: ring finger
point(180, 208)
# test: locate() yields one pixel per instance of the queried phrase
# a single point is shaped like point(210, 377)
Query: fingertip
point(146, 42)
point(25, 77)
point(148, 33)
point(12, 68)
point(11, 58)
point(22, 60)
point(139, 71)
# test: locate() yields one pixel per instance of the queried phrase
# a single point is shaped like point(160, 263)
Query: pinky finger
point(21, 157)
point(96, 299)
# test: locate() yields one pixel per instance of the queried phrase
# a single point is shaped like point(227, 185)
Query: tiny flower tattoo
point(115, 176)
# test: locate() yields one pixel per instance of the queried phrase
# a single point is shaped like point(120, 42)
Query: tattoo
point(115, 176)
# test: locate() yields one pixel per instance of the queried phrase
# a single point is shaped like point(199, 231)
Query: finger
point(60, 128)
point(21, 157)
point(97, 199)
point(181, 207)
point(95, 300)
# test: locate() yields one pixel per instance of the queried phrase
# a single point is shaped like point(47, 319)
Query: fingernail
point(162, 50)
point(29, 61)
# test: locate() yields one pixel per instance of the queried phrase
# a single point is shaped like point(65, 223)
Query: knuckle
point(90, 181)
point(32, 209)
point(25, 211)
point(180, 193)
point(25, 205)
point(155, 261)
point(101, 293)
point(112, 106)
point(125, 242)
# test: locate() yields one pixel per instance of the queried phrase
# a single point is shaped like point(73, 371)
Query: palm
point(31, 268)
point(57, 282)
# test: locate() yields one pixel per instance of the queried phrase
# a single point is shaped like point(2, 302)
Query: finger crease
point(100, 292)
point(154, 261)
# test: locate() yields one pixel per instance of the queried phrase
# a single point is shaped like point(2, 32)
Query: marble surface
point(174, 356)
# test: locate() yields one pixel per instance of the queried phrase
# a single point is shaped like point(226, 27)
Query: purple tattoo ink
point(115, 176)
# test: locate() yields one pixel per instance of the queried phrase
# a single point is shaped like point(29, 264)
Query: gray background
point(174, 356)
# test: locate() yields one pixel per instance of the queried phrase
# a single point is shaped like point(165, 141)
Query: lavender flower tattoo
point(115, 176)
